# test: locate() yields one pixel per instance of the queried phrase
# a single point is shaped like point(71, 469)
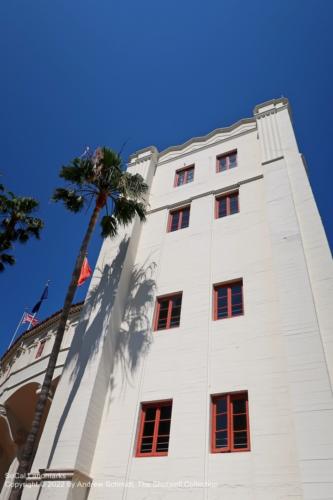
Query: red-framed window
point(40, 348)
point(227, 204)
point(228, 299)
point(179, 219)
point(226, 161)
point(230, 423)
point(184, 176)
point(167, 312)
point(154, 429)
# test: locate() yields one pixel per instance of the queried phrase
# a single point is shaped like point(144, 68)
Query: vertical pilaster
point(309, 381)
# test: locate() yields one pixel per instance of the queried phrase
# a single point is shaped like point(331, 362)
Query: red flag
point(86, 272)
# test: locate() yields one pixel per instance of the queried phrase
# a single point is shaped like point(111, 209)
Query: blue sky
point(104, 72)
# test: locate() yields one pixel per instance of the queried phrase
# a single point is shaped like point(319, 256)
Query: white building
point(22, 371)
point(202, 364)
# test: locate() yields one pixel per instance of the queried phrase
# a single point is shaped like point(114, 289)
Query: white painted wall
point(280, 350)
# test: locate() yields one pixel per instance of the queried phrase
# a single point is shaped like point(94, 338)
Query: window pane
point(166, 412)
point(164, 427)
point(162, 443)
point(221, 405)
point(150, 413)
point(233, 160)
point(175, 319)
point(240, 439)
point(239, 422)
point(222, 302)
point(236, 299)
point(174, 221)
point(221, 422)
point(186, 217)
point(177, 300)
point(221, 439)
point(181, 178)
point(222, 207)
point(239, 406)
point(163, 314)
point(222, 313)
point(223, 164)
point(190, 174)
point(237, 310)
point(175, 311)
point(148, 428)
point(146, 445)
point(234, 203)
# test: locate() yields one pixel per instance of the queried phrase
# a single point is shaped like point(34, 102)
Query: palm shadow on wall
point(124, 335)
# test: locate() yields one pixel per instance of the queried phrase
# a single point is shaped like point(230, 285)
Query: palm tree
point(98, 178)
point(16, 223)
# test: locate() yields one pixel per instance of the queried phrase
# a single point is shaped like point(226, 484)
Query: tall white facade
point(277, 350)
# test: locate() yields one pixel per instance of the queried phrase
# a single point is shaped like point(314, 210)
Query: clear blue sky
point(87, 72)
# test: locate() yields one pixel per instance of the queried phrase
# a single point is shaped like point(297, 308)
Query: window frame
point(157, 311)
point(230, 396)
point(226, 155)
point(228, 195)
point(179, 171)
point(40, 348)
point(175, 210)
point(227, 284)
point(143, 406)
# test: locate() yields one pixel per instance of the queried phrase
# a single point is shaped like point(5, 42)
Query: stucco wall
point(279, 350)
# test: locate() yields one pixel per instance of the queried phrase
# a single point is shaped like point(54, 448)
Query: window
point(227, 205)
point(184, 176)
point(154, 430)
point(230, 423)
point(40, 348)
point(226, 161)
point(178, 219)
point(167, 314)
point(228, 299)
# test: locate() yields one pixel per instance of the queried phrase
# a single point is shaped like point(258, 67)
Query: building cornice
point(271, 106)
point(46, 323)
point(202, 141)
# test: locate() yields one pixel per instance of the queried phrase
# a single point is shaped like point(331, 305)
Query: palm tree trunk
point(31, 442)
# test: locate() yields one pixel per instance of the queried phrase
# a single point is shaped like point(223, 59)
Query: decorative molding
point(269, 136)
point(237, 129)
point(271, 161)
point(204, 139)
point(280, 103)
point(142, 155)
point(214, 192)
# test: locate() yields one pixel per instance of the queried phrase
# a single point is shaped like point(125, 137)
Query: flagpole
point(17, 328)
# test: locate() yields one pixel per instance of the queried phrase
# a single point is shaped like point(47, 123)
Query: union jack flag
point(29, 318)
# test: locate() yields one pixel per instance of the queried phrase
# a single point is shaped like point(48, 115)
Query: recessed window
point(167, 313)
point(154, 429)
point(227, 204)
point(226, 161)
point(179, 219)
point(40, 348)
point(184, 175)
point(230, 423)
point(228, 299)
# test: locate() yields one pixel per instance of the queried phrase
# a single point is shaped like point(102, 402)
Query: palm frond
point(126, 209)
point(109, 226)
point(72, 200)
point(132, 185)
point(6, 259)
